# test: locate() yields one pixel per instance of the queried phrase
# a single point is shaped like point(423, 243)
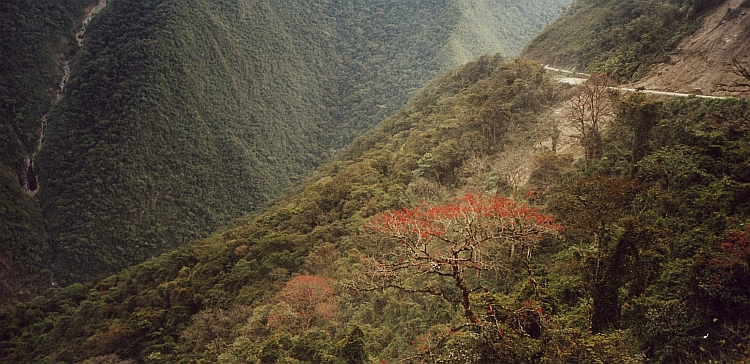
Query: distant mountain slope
point(34, 39)
point(182, 115)
point(436, 137)
point(504, 26)
point(170, 127)
point(620, 38)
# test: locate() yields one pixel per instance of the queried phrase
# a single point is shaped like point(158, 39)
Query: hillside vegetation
point(496, 25)
point(182, 115)
point(34, 38)
point(636, 251)
point(620, 38)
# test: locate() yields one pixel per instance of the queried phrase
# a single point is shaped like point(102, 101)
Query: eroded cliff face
point(703, 61)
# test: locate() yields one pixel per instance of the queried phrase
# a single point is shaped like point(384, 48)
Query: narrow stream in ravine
point(29, 179)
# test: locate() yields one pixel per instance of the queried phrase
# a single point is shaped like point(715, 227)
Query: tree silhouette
point(742, 70)
point(590, 107)
point(739, 69)
point(444, 250)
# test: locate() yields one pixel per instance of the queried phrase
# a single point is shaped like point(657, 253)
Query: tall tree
point(589, 108)
point(593, 209)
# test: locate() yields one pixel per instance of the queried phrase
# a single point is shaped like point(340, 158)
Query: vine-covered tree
point(448, 250)
point(593, 210)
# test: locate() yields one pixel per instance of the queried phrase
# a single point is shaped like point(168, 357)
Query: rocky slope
point(622, 39)
point(702, 63)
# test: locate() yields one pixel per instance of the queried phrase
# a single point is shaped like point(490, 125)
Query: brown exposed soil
point(703, 62)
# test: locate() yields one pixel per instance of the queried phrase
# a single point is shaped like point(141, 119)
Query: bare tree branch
point(740, 69)
point(589, 109)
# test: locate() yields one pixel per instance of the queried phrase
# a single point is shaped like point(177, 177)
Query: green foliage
point(660, 267)
point(24, 250)
point(30, 39)
point(651, 266)
point(351, 349)
point(34, 36)
point(187, 304)
point(183, 115)
point(619, 38)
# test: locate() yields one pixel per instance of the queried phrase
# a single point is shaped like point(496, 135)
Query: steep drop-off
point(182, 115)
point(703, 62)
point(439, 136)
point(649, 267)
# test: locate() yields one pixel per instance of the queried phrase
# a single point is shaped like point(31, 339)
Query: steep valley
point(498, 216)
point(180, 116)
point(36, 39)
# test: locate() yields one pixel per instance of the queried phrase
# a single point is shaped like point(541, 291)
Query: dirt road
point(581, 80)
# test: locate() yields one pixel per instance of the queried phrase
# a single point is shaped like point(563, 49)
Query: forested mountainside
point(182, 115)
point(632, 248)
point(34, 37)
point(499, 217)
point(620, 38)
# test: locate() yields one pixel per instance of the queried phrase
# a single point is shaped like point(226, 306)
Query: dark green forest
point(180, 116)
point(34, 37)
point(498, 216)
point(619, 38)
point(648, 261)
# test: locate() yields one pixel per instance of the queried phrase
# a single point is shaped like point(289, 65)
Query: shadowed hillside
point(35, 37)
point(182, 115)
point(454, 233)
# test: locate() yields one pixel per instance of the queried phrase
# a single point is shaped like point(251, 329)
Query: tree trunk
point(459, 279)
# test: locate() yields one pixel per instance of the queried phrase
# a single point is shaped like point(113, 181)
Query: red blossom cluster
point(728, 267)
point(426, 221)
point(461, 244)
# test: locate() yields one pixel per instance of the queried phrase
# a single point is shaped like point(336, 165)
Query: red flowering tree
point(304, 301)
point(436, 249)
point(723, 276)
